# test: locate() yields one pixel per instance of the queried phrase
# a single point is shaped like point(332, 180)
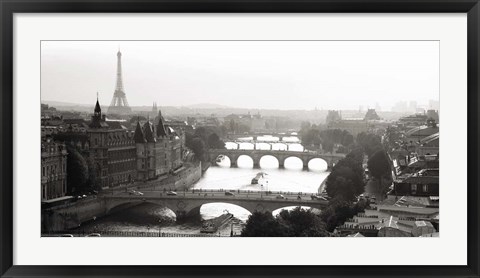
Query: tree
point(77, 171)
point(302, 223)
point(338, 211)
point(369, 142)
point(311, 137)
point(198, 147)
point(92, 174)
point(379, 167)
point(263, 224)
point(214, 142)
point(203, 133)
point(346, 181)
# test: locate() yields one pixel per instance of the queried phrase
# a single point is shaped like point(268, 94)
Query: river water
point(293, 178)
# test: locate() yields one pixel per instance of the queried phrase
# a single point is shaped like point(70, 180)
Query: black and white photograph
point(240, 138)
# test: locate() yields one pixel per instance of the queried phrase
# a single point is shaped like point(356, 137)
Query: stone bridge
point(188, 204)
point(281, 156)
point(256, 135)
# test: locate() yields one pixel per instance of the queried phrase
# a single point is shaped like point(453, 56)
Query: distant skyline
point(285, 75)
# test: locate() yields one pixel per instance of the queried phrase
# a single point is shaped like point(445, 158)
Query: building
point(392, 221)
point(423, 183)
point(353, 126)
point(47, 111)
point(54, 169)
point(51, 125)
point(159, 149)
point(429, 145)
point(240, 123)
point(371, 115)
point(413, 120)
point(332, 116)
point(112, 148)
point(416, 134)
point(433, 114)
point(154, 109)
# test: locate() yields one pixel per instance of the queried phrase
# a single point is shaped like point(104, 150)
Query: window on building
point(43, 171)
point(425, 188)
point(414, 188)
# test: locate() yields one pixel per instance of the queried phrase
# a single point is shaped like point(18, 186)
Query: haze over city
point(244, 74)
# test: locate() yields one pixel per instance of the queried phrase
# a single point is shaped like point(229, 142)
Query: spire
point(138, 136)
point(161, 131)
point(97, 107)
point(97, 116)
point(154, 108)
point(148, 131)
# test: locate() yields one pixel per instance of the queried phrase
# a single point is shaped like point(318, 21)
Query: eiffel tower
point(119, 104)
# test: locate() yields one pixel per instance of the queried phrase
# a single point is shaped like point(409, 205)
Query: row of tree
point(294, 223)
point(81, 172)
point(326, 138)
point(379, 164)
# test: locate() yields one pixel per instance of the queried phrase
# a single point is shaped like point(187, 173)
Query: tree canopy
point(202, 139)
point(328, 138)
point(369, 142)
point(77, 170)
point(338, 211)
point(346, 181)
point(302, 223)
point(198, 146)
point(379, 164)
point(294, 223)
point(214, 142)
point(263, 224)
point(380, 168)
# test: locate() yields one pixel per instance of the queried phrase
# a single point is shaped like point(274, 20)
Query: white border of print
point(31, 249)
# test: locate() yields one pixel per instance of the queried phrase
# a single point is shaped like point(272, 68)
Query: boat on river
point(258, 177)
point(220, 158)
point(212, 225)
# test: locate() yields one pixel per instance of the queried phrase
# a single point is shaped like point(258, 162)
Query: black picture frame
point(9, 7)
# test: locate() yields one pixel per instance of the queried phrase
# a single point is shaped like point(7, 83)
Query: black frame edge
point(6, 143)
point(473, 124)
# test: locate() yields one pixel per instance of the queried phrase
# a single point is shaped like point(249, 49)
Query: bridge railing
point(237, 191)
point(126, 234)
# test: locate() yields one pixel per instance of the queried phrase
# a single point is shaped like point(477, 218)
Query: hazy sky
point(246, 74)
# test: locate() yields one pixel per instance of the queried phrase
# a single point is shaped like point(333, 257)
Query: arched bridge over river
point(188, 204)
point(281, 156)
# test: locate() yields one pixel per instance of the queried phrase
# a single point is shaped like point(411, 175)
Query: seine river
point(293, 178)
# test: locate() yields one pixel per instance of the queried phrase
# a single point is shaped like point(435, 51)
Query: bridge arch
point(278, 210)
point(114, 206)
point(293, 159)
point(245, 160)
point(321, 164)
point(237, 210)
point(266, 158)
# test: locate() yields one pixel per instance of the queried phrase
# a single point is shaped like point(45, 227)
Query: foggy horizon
point(268, 75)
